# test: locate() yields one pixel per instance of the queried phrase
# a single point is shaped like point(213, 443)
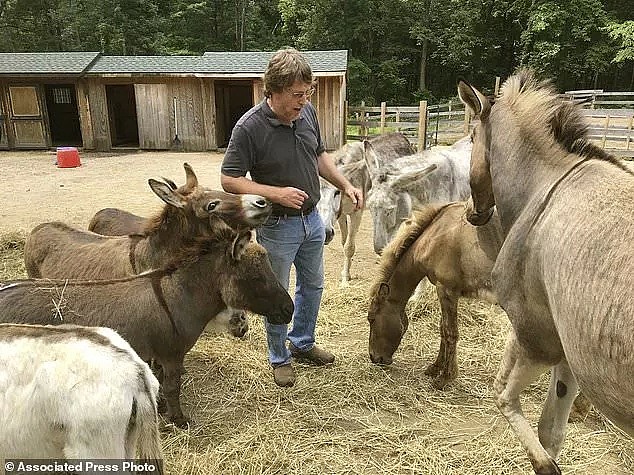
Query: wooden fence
point(424, 125)
point(611, 117)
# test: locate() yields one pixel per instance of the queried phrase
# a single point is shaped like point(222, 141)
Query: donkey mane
point(536, 103)
point(406, 235)
point(163, 218)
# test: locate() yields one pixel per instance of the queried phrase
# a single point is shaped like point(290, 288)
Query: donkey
point(335, 208)
point(437, 175)
point(563, 274)
point(117, 222)
point(50, 408)
point(57, 250)
point(436, 242)
point(161, 313)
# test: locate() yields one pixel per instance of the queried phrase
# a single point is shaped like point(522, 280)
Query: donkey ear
point(239, 244)
point(474, 100)
point(170, 183)
point(166, 193)
point(371, 158)
point(384, 291)
point(192, 180)
point(405, 181)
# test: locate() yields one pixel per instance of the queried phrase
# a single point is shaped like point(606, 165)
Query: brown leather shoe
point(284, 375)
point(315, 355)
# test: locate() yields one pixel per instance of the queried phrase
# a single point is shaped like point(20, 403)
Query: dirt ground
point(37, 191)
point(354, 418)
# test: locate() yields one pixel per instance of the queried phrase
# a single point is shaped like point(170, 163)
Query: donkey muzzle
point(478, 218)
point(282, 314)
point(330, 234)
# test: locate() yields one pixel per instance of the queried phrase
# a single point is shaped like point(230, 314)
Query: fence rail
point(441, 123)
point(610, 116)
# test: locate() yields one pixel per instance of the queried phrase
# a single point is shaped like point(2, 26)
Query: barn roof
point(244, 63)
point(146, 65)
point(256, 61)
point(67, 63)
point(225, 62)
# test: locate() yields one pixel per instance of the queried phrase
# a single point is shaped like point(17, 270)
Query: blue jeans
point(297, 240)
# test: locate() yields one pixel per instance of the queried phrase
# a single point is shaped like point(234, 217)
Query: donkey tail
point(148, 438)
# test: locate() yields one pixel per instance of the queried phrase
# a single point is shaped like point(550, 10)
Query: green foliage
point(566, 40)
point(623, 33)
point(400, 51)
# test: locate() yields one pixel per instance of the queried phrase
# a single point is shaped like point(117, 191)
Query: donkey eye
point(212, 205)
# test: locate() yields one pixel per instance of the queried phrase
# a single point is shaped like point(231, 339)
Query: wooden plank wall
point(329, 110)
point(4, 112)
point(209, 120)
point(153, 116)
point(85, 120)
point(190, 113)
point(98, 114)
point(195, 109)
point(258, 91)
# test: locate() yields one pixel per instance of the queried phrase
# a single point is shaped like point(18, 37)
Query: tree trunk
point(242, 17)
point(422, 76)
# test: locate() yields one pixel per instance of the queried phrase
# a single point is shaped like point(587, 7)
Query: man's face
point(288, 103)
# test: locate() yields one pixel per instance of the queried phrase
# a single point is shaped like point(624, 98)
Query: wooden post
point(605, 131)
point(629, 132)
point(345, 122)
point(422, 125)
point(467, 120)
point(398, 119)
point(383, 108)
point(362, 126)
point(497, 86)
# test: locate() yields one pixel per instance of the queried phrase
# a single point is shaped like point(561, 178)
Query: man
point(278, 142)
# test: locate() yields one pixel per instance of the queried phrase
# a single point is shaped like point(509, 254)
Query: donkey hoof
point(548, 467)
point(161, 405)
point(432, 370)
point(181, 422)
point(441, 382)
point(549, 471)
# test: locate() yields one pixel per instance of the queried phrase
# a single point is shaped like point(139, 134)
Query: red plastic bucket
point(67, 157)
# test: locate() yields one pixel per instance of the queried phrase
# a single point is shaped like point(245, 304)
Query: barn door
point(4, 139)
point(27, 117)
point(153, 115)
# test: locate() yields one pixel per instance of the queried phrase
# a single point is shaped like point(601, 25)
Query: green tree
point(623, 34)
point(566, 40)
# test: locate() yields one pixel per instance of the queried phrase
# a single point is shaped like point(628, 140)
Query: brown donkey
point(57, 250)
point(161, 313)
point(436, 242)
point(118, 222)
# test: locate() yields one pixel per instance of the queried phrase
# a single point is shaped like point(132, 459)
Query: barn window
point(61, 95)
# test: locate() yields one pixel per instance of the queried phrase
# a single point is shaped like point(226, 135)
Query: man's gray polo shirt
point(277, 154)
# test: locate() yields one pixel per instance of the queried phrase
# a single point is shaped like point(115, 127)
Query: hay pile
point(357, 418)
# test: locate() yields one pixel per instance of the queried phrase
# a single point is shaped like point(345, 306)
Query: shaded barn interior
point(233, 98)
point(122, 115)
point(63, 114)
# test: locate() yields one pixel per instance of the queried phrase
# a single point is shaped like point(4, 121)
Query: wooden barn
point(99, 102)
